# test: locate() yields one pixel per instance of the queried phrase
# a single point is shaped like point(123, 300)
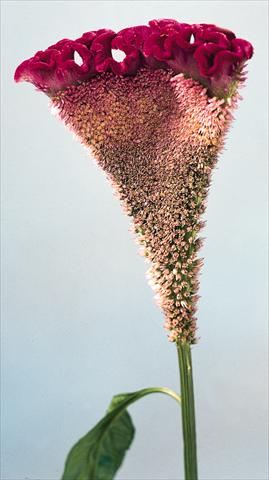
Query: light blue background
point(78, 317)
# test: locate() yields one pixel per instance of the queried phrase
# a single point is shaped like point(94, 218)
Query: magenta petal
point(101, 51)
point(244, 48)
point(128, 66)
point(156, 46)
point(204, 56)
point(224, 62)
point(203, 27)
point(88, 37)
point(183, 37)
point(130, 38)
point(218, 38)
point(158, 25)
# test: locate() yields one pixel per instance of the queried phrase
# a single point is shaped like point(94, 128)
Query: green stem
point(188, 411)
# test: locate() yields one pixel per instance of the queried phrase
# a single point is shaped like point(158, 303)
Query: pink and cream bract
point(155, 122)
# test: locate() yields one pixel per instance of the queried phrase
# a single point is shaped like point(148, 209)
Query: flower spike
point(155, 122)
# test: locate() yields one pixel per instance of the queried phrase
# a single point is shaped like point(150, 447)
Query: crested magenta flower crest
point(155, 122)
point(205, 52)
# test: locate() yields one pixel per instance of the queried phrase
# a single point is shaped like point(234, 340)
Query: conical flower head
point(155, 123)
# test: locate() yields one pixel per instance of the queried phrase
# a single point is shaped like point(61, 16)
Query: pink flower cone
point(155, 123)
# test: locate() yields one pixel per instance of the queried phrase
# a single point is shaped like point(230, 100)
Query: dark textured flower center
point(156, 135)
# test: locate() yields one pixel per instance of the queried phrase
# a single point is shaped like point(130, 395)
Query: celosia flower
point(155, 122)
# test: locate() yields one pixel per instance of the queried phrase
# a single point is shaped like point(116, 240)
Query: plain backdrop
point(79, 322)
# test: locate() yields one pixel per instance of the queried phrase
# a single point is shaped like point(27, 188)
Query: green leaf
point(99, 454)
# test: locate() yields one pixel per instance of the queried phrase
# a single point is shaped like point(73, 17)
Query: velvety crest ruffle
point(205, 52)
